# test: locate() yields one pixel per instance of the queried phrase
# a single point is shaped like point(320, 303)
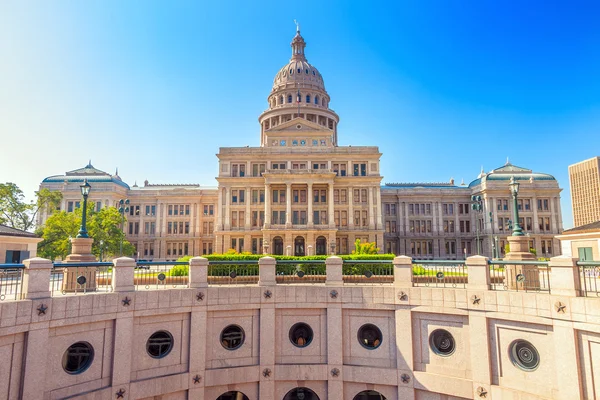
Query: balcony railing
point(160, 274)
point(11, 281)
point(305, 271)
point(527, 276)
point(234, 272)
point(368, 271)
point(440, 273)
point(79, 278)
point(590, 277)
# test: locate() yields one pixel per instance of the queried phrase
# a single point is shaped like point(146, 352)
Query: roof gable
point(299, 125)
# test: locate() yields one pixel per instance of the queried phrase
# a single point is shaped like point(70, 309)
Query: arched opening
point(289, 98)
point(321, 249)
point(308, 98)
point(299, 246)
point(278, 245)
point(317, 100)
point(369, 395)
point(301, 393)
point(281, 99)
point(233, 396)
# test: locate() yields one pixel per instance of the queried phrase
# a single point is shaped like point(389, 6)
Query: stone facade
point(475, 358)
point(300, 193)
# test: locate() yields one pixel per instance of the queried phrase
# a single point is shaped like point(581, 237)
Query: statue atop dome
point(297, 26)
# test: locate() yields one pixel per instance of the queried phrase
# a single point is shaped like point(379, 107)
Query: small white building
point(17, 245)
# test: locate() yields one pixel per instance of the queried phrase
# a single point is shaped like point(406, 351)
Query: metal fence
point(440, 273)
point(520, 276)
point(77, 278)
point(160, 274)
point(241, 272)
point(306, 271)
point(11, 281)
point(590, 277)
point(368, 271)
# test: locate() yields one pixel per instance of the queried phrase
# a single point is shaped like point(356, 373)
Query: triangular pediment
point(299, 125)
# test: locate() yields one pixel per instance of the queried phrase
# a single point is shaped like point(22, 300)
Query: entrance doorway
point(299, 246)
point(278, 245)
point(321, 246)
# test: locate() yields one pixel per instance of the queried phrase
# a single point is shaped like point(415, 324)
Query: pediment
point(299, 125)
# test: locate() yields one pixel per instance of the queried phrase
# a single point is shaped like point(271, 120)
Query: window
point(289, 98)
point(442, 342)
point(524, 355)
point(308, 98)
point(159, 344)
point(77, 358)
point(232, 337)
point(369, 336)
point(301, 334)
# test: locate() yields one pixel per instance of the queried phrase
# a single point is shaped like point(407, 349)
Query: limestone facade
point(300, 193)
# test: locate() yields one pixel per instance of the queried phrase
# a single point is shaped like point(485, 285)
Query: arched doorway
point(301, 393)
point(278, 245)
point(369, 395)
point(233, 396)
point(321, 246)
point(299, 246)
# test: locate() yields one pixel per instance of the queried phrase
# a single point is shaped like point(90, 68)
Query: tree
point(16, 213)
point(365, 248)
point(103, 226)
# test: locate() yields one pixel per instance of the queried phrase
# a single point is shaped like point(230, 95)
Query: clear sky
point(154, 88)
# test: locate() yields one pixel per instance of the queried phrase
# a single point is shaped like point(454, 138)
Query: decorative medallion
point(335, 372)
point(300, 274)
point(232, 274)
point(405, 378)
point(126, 301)
point(81, 280)
point(200, 296)
point(368, 274)
point(402, 296)
point(333, 294)
point(266, 372)
point(475, 299)
point(560, 307)
point(267, 294)
point(520, 278)
point(161, 277)
point(439, 275)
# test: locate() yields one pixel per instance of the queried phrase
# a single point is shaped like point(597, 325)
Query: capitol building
point(300, 193)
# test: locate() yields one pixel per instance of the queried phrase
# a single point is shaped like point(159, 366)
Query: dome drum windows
point(232, 337)
point(524, 355)
point(159, 344)
point(78, 358)
point(370, 336)
point(301, 334)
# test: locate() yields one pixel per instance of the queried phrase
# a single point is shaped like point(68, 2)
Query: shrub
point(179, 270)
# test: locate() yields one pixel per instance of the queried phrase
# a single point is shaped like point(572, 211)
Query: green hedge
point(237, 257)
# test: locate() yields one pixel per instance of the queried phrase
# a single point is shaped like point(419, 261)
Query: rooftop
point(9, 231)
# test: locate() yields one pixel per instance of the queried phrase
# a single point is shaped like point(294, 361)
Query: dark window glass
point(442, 342)
point(78, 358)
point(524, 355)
point(301, 334)
point(232, 337)
point(159, 344)
point(369, 336)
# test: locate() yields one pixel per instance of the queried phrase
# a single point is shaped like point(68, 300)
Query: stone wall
point(564, 328)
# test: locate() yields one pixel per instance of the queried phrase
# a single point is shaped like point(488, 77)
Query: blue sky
point(155, 88)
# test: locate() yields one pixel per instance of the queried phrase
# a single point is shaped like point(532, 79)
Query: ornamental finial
point(297, 26)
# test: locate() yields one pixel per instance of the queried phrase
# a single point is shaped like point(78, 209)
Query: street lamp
point(477, 205)
point(85, 191)
point(123, 209)
point(514, 188)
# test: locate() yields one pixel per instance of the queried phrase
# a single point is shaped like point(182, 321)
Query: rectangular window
point(234, 196)
point(275, 196)
point(527, 204)
point(187, 209)
point(303, 196)
point(363, 196)
point(344, 218)
point(170, 228)
point(187, 227)
point(356, 196)
point(323, 196)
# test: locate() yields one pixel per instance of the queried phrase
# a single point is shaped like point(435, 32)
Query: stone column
point(198, 272)
point(330, 209)
point(227, 207)
point(267, 205)
point(479, 273)
point(288, 205)
point(403, 274)
point(310, 205)
point(566, 279)
point(371, 210)
point(378, 206)
point(192, 220)
point(536, 227)
point(219, 218)
point(333, 268)
point(123, 275)
point(266, 271)
point(36, 278)
point(565, 357)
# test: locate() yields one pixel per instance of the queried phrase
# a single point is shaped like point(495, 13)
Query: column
point(536, 227)
point(378, 205)
point(371, 210)
point(248, 199)
point(399, 215)
point(350, 210)
point(330, 206)
point(553, 220)
point(310, 204)
point(219, 210)
point(267, 205)
point(288, 205)
point(227, 203)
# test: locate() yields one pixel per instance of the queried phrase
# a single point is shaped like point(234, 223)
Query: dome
point(298, 72)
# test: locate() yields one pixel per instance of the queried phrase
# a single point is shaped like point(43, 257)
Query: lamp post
point(123, 209)
point(85, 191)
point(514, 188)
point(494, 249)
point(477, 205)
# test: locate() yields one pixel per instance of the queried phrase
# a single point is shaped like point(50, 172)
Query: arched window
point(308, 98)
point(317, 100)
point(289, 98)
point(280, 99)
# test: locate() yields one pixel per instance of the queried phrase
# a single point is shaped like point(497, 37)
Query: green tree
point(365, 248)
point(103, 226)
point(17, 213)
